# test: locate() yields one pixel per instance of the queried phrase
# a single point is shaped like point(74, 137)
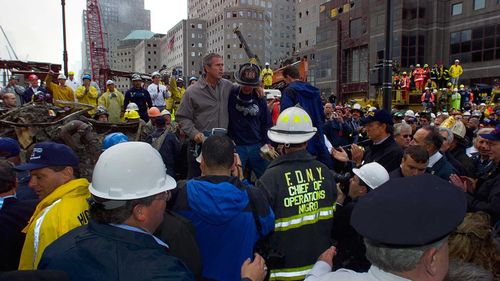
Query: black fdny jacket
point(302, 193)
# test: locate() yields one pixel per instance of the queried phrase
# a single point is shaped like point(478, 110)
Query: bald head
point(9, 100)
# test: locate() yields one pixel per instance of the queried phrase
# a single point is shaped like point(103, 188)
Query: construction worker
point(267, 76)
point(455, 99)
point(419, 77)
point(101, 114)
point(443, 76)
point(113, 139)
point(455, 72)
point(351, 250)
point(126, 209)
point(302, 192)
point(177, 90)
point(112, 100)
point(71, 82)
point(33, 88)
point(17, 90)
point(158, 92)
point(405, 86)
point(140, 96)
point(59, 91)
point(87, 93)
point(63, 205)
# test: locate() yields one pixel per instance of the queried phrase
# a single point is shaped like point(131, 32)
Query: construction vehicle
point(251, 56)
point(278, 79)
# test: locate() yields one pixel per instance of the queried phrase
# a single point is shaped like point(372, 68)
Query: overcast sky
point(34, 27)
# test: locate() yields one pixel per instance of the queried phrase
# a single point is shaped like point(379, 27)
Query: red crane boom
point(98, 51)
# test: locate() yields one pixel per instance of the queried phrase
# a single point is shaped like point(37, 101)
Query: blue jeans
point(249, 155)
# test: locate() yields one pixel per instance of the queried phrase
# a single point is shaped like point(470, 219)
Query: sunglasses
point(407, 136)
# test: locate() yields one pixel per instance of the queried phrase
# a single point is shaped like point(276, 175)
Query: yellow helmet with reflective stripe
point(294, 126)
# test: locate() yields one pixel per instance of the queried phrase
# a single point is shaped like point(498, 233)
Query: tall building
point(119, 18)
point(307, 20)
point(350, 41)
point(259, 22)
point(184, 46)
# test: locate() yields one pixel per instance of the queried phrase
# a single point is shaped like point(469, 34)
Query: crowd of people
point(238, 184)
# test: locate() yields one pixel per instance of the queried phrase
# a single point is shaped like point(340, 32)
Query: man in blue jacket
point(308, 97)
point(229, 217)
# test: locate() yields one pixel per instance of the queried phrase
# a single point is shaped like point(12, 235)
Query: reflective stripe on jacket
point(62, 210)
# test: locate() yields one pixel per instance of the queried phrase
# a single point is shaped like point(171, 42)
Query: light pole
point(65, 52)
point(387, 63)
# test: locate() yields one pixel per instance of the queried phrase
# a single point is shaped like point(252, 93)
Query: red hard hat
point(32, 77)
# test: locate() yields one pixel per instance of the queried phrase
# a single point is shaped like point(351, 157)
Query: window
point(476, 45)
point(479, 4)
point(200, 26)
point(355, 65)
point(356, 28)
point(456, 9)
point(412, 49)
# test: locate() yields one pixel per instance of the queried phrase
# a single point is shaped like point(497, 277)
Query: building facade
point(184, 46)
point(119, 18)
point(267, 27)
point(350, 41)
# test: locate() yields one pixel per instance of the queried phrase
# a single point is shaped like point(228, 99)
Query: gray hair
point(449, 139)
point(463, 271)
point(397, 259)
point(207, 60)
point(399, 127)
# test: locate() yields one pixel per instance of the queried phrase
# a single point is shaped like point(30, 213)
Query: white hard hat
point(132, 106)
point(417, 115)
point(356, 106)
point(458, 129)
point(433, 116)
point(373, 108)
point(165, 112)
point(455, 90)
point(435, 91)
point(61, 76)
point(267, 63)
point(109, 82)
point(156, 73)
point(457, 60)
point(467, 113)
point(373, 174)
point(293, 126)
point(116, 173)
point(410, 113)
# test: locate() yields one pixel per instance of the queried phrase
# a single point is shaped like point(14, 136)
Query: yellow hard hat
point(71, 73)
point(131, 115)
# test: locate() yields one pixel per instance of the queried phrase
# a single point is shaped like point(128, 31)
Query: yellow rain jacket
point(89, 98)
point(456, 70)
point(267, 76)
point(113, 102)
point(61, 211)
point(176, 95)
point(59, 93)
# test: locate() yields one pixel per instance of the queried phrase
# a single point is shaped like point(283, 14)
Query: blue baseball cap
point(493, 135)
point(86, 76)
point(379, 115)
point(47, 154)
point(9, 147)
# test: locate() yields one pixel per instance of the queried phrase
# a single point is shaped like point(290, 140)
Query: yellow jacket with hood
point(61, 211)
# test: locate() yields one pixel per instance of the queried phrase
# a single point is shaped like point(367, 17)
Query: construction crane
point(97, 49)
point(253, 57)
